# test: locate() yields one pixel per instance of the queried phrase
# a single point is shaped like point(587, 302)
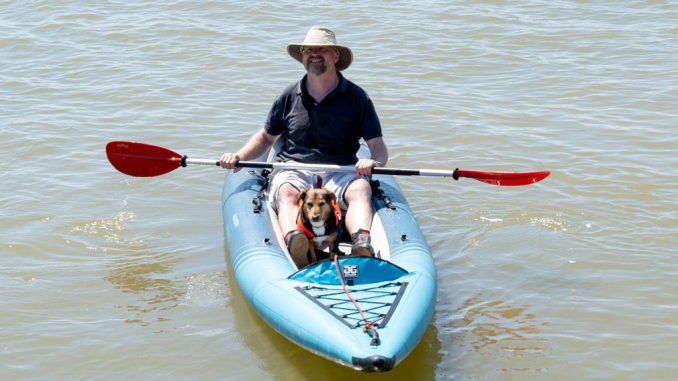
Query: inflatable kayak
point(365, 313)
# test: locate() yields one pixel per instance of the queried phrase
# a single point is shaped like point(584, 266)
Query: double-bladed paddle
point(146, 160)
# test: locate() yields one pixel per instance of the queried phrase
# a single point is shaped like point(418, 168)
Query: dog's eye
point(309, 205)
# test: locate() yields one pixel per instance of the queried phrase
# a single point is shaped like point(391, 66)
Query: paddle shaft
point(146, 160)
point(326, 167)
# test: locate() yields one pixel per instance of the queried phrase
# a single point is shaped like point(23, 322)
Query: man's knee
point(287, 194)
point(358, 190)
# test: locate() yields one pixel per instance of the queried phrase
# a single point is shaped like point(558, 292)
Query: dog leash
point(369, 327)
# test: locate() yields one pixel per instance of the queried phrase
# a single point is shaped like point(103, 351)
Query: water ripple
point(568, 278)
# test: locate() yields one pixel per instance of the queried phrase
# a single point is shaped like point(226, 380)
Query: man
point(321, 118)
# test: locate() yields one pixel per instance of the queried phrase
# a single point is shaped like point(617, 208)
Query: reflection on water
point(111, 230)
point(502, 337)
point(552, 223)
point(207, 289)
point(144, 279)
point(556, 223)
point(135, 268)
point(494, 325)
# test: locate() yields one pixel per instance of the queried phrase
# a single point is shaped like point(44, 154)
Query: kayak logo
point(350, 271)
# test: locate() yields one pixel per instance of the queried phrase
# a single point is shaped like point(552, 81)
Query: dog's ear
point(330, 198)
point(302, 198)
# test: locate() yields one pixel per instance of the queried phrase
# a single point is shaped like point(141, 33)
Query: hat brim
point(345, 54)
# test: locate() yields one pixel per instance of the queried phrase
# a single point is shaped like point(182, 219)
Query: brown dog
point(320, 220)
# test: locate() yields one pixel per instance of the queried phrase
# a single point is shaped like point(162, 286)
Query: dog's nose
point(315, 218)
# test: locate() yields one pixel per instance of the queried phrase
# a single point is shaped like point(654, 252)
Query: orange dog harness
point(306, 227)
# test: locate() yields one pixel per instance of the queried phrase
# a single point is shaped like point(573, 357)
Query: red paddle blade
point(141, 159)
point(504, 178)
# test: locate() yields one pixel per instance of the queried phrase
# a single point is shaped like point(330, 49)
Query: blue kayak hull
point(309, 306)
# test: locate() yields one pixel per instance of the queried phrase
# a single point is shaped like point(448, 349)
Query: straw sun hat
point(321, 36)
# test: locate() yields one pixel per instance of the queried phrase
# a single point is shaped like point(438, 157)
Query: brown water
point(106, 277)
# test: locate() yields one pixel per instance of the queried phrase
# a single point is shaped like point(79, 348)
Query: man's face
point(317, 60)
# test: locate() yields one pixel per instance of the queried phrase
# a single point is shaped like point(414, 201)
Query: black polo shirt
point(328, 132)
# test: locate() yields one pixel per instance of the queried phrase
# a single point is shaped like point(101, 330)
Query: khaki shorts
point(336, 182)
